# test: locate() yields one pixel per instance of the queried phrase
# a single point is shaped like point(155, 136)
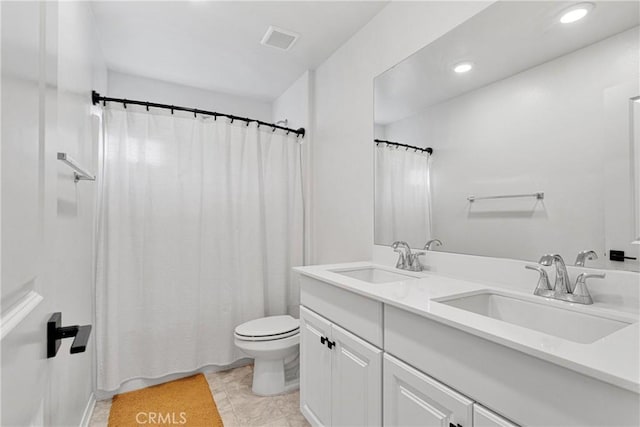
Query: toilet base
point(269, 378)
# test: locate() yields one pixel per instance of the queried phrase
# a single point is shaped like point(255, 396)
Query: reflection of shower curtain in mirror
point(403, 196)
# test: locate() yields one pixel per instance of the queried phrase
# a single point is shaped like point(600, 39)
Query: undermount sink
point(580, 327)
point(373, 275)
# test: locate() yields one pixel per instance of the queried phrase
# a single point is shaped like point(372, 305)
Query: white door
point(315, 368)
point(356, 392)
point(482, 417)
point(411, 398)
point(28, 213)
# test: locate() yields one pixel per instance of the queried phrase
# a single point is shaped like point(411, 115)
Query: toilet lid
point(272, 327)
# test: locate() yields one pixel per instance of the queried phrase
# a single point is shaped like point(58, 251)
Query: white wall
point(541, 130)
point(145, 89)
point(342, 149)
point(295, 105)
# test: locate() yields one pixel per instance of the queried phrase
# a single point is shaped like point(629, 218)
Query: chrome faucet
point(562, 289)
point(431, 243)
point(583, 256)
point(562, 284)
point(407, 260)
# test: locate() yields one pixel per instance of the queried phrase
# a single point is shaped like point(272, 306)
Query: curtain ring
point(172, 109)
point(124, 103)
point(248, 123)
point(288, 132)
point(147, 106)
point(231, 120)
point(274, 129)
point(104, 102)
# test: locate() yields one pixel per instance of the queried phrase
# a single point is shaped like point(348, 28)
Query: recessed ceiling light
point(463, 67)
point(576, 12)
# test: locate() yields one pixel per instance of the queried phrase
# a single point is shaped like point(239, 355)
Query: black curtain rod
point(97, 98)
point(397, 144)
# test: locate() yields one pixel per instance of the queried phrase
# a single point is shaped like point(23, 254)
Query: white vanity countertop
point(614, 359)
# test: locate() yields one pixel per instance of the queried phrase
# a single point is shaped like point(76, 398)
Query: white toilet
point(274, 343)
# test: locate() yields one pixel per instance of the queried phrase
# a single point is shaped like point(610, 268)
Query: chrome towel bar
point(539, 196)
point(79, 172)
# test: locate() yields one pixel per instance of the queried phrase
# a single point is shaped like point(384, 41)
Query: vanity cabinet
point(368, 363)
point(482, 417)
point(412, 398)
point(340, 375)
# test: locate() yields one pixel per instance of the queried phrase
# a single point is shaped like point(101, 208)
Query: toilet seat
point(268, 328)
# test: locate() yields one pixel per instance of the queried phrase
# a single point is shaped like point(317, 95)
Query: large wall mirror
point(533, 117)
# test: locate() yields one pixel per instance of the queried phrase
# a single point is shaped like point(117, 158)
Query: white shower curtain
point(200, 222)
point(403, 196)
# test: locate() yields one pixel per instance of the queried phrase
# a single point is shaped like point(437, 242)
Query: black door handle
point(56, 333)
point(331, 344)
point(323, 340)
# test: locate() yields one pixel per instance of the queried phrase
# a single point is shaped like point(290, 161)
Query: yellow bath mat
point(184, 402)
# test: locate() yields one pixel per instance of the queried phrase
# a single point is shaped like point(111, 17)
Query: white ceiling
point(502, 40)
point(216, 45)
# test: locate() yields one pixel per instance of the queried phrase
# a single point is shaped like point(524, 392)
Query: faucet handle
point(582, 277)
point(414, 261)
point(402, 260)
point(404, 256)
point(543, 288)
point(581, 291)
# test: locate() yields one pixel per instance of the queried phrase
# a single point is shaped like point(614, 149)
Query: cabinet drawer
point(482, 417)
point(412, 398)
point(358, 314)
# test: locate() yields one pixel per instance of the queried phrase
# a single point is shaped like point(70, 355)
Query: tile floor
point(237, 405)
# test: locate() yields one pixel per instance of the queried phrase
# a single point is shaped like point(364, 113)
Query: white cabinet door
point(411, 398)
point(356, 381)
point(482, 417)
point(315, 368)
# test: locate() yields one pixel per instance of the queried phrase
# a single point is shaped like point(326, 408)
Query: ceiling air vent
point(279, 38)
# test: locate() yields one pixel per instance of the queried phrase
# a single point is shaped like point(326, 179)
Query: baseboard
point(88, 411)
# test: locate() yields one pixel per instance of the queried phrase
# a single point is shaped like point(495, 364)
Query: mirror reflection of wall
point(542, 107)
point(635, 148)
